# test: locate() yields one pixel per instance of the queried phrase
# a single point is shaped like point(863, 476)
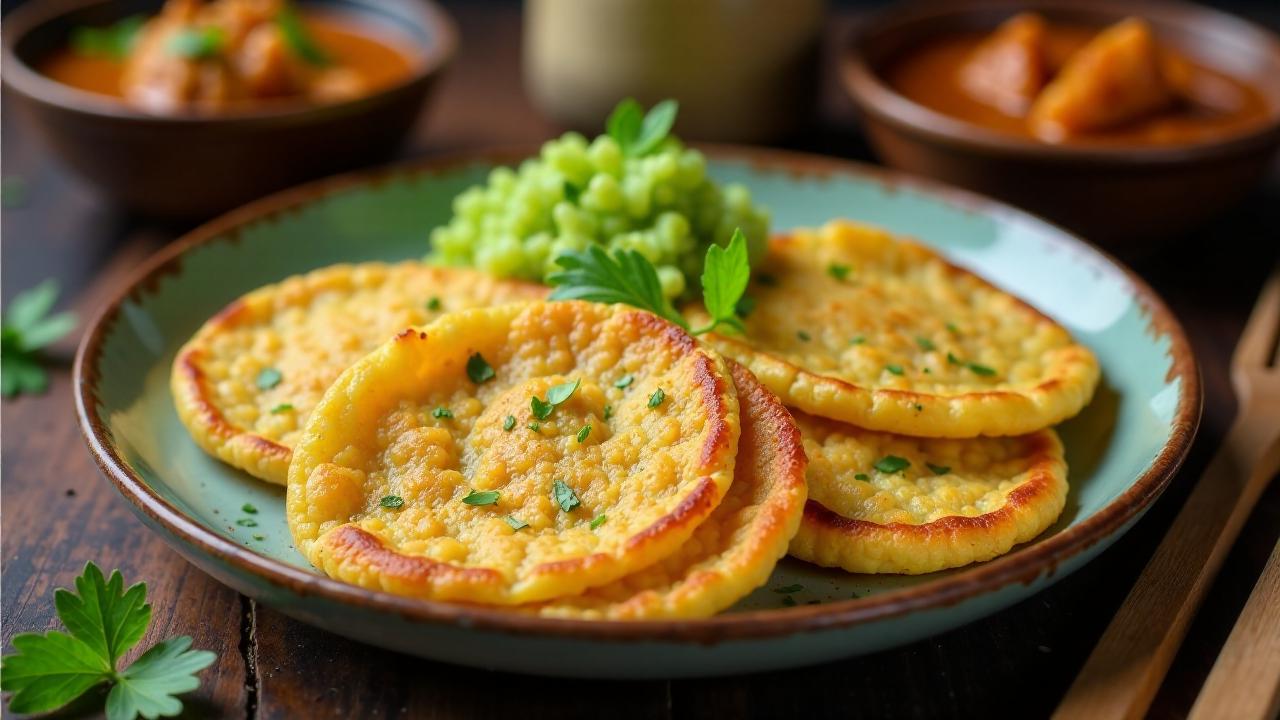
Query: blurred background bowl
point(194, 166)
point(1126, 197)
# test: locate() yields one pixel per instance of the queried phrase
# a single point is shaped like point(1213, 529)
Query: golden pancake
point(734, 550)
point(883, 503)
point(472, 459)
point(853, 324)
point(245, 384)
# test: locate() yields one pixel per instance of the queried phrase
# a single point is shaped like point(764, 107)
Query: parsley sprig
point(299, 39)
point(627, 277)
point(639, 133)
point(28, 327)
point(104, 620)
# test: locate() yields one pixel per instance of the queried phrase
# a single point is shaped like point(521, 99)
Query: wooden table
point(59, 512)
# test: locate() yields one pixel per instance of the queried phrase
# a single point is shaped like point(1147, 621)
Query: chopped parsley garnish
point(478, 369)
point(534, 426)
point(247, 522)
point(608, 411)
point(892, 464)
point(788, 589)
point(838, 271)
point(564, 496)
point(637, 132)
point(488, 497)
point(926, 344)
point(269, 378)
point(249, 509)
point(951, 358)
point(197, 43)
point(113, 41)
point(857, 339)
point(804, 336)
point(951, 327)
point(540, 408)
point(863, 477)
point(981, 369)
point(919, 407)
point(442, 413)
point(725, 274)
point(938, 469)
point(433, 303)
point(391, 502)
point(583, 433)
point(516, 523)
point(895, 369)
point(598, 521)
point(281, 408)
point(625, 381)
point(103, 621)
point(557, 394)
point(656, 398)
point(259, 537)
point(509, 423)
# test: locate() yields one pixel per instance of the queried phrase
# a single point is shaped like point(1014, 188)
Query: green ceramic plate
point(1122, 449)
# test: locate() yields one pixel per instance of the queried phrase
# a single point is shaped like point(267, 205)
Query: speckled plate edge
point(1024, 566)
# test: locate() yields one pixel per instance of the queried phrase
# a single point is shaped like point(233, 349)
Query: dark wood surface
point(59, 513)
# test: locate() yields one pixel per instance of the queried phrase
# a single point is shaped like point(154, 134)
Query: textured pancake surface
point(302, 332)
point(494, 504)
point(957, 502)
point(854, 324)
point(735, 549)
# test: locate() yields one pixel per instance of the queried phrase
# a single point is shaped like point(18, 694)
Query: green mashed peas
point(635, 188)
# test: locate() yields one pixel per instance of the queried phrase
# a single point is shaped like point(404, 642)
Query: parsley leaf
point(516, 523)
point(247, 522)
point(564, 496)
point(509, 423)
point(114, 41)
point(540, 408)
point(892, 464)
point(939, 469)
point(926, 344)
point(608, 411)
point(282, 407)
point(626, 277)
point(625, 381)
point(268, 378)
point(598, 521)
point(104, 621)
point(981, 369)
point(895, 369)
point(433, 304)
point(197, 43)
point(803, 336)
point(534, 426)
point(488, 497)
point(863, 477)
point(442, 413)
point(656, 398)
point(249, 509)
point(391, 502)
point(584, 433)
point(724, 278)
point(638, 133)
point(478, 369)
point(299, 39)
point(838, 271)
point(26, 328)
point(557, 394)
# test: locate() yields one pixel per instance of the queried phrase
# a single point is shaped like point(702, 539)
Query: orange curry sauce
point(376, 60)
point(1220, 105)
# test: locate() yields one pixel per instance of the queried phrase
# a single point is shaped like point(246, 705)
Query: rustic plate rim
point(1023, 566)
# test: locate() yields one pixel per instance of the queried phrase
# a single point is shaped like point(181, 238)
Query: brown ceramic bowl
point(193, 166)
point(1124, 196)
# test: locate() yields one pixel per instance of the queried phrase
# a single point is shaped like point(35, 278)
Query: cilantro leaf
point(624, 123)
point(26, 328)
point(516, 523)
point(298, 39)
point(627, 278)
point(102, 614)
point(725, 275)
point(656, 398)
point(147, 687)
point(557, 394)
point(479, 369)
point(540, 408)
point(564, 496)
point(49, 671)
point(486, 497)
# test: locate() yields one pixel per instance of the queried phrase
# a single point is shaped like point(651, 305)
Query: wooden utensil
point(1123, 673)
point(1245, 681)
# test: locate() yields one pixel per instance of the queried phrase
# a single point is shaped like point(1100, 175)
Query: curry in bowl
point(197, 56)
point(1061, 82)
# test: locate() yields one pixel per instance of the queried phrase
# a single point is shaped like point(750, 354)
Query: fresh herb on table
point(197, 43)
point(564, 496)
point(516, 523)
point(27, 327)
point(114, 41)
point(488, 497)
point(299, 39)
point(391, 502)
point(656, 398)
point(639, 133)
point(104, 620)
point(892, 464)
point(627, 277)
point(268, 378)
point(478, 369)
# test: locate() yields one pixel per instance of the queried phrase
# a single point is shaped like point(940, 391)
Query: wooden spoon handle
point(1245, 681)
point(1124, 672)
